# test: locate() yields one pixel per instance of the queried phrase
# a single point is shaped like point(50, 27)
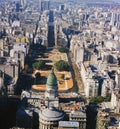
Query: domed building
point(50, 117)
point(51, 93)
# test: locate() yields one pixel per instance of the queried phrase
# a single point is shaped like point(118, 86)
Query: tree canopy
point(39, 64)
point(63, 49)
point(99, 99)
point(62, 65)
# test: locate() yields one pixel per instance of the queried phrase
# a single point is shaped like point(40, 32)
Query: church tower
point(51, 93)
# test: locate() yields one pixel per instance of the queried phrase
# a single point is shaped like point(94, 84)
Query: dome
point(52, 79)
point(52, 114)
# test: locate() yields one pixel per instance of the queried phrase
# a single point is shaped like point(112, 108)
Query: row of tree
point(60, 65)
point(99, 99)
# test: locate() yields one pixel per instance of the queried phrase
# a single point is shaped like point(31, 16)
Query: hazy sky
point(116, 0)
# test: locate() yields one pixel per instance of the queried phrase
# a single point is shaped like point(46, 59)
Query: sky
point(116, 0)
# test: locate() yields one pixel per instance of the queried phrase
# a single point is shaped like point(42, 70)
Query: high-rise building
point(51, 37)
point(45, 5)
point(17, 7)
point(40, 5)
point(23, 3)
point(62, 7)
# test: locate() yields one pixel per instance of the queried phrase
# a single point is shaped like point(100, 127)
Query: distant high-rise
point(23, 3)
point(17, 7)
point(45, 5)
point(62, 7)
point(40, 5)
point(51, 40)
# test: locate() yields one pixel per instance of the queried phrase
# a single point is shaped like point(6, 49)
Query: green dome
point(52, 79)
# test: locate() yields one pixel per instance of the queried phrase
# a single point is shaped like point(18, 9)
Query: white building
point(90, 81)
point(115, 100)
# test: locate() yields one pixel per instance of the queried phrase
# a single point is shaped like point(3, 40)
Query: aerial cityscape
point(59, 64)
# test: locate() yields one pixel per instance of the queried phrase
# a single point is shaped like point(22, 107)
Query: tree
point(63, 49)
point(39, 64)
point(62, 65)
point(97, 99)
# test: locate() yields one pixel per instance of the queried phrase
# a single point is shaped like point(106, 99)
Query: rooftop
point(68, 124)
point(51, 114)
